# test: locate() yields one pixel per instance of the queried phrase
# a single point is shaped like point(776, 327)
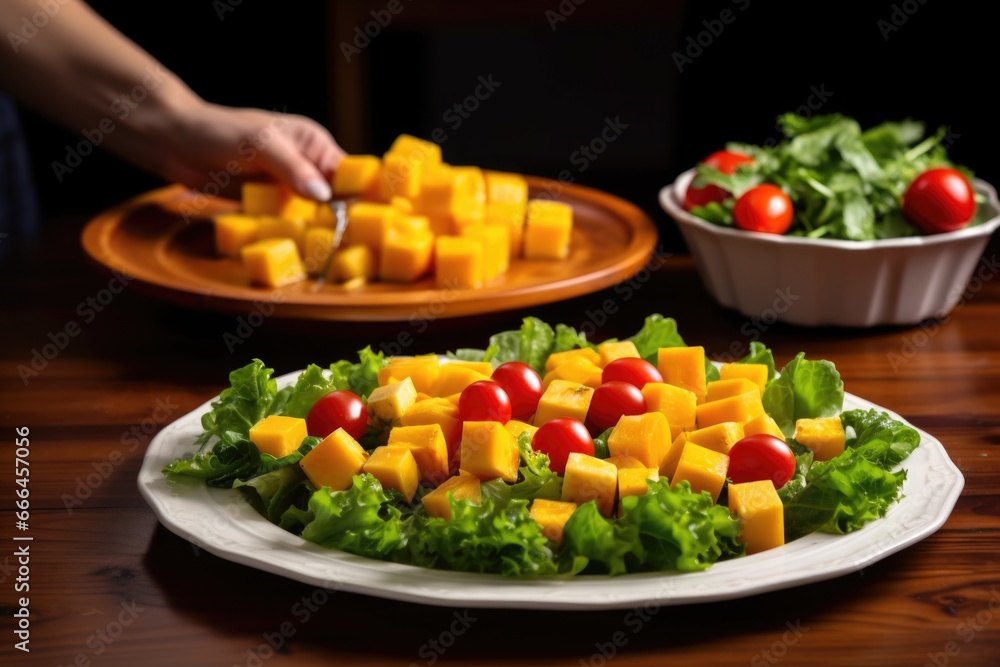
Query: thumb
point(285, 162)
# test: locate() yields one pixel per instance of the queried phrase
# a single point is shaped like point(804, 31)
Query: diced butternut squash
point(408, 224)
point(577, 370)
point(273, 262)
point(493, 238)
point(429, 448)
point(352, 263)
point(645, 437)
point(276, 200)
point(516, 428)
point(278, 435)
point(438, 411)
point(740, 409)
point(484, 367)
point(668, 466)
point(824, 436)
point(510, 216)
point(625, 461)
point(458, 262)
point(718, 437)
point(634, 482)
point(684, 367)
point(547, 229)
point(368, 223)
point(756, 373)
point(319, 244)
point(335, 461)
point(763, 424)
point(454, 377)
point(272, 227)
point(563, 398)
point(676, 403)
point(395, 468)
point(506, 188)
point(552, 516)
point(387, 405)
point(559, 358)
point(759, 508)
point(703, 468)
point(488, 451)
point(423, 370)
point(587, 478)
point(720, 389)
point(233, 231)
point(472, 184)
point(460, 487)
point(416, 150)
point(355, 175)
point(406, 257)
point(622, 349)
point(400, 176)
point(405, 206)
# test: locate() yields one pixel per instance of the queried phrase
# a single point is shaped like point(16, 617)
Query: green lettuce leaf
point(269, 463)
point(361, 377)
point(536, 479)
point(804, 389)
point(656, 332)
point(221, 466)
point(313, 384)
point(879, 438)
point(595, 545)
point(274, 492)
point(245, 402)
point(362, 520)
point(601, 449)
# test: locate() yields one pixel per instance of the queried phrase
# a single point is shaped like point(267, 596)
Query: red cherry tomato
point(764, 208)
point(560, 437)
point(724, 161)
point(636, 372)
point(338, 409)
point(484, 401)
point(939, 200)
point(610, 401)
point(759, 457)
point(523, 386)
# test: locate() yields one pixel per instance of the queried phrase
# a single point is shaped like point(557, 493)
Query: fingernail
point(318, 189)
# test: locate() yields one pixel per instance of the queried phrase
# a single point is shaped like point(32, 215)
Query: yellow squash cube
point(423, 370)
point(276, 200)
point(625, 461)
point(395, 468)
point(455, 377)
point(563, 398)
point(444, 196)
point(406, 257)
point(547, 230)
point(763, 516)
point(559, 358)
point(645, 437)
point(622, 349)
point(741, 409)
point(319, 244)
point(273, 262)
point(439, 411)
point(580, 371)
point(355, 175)
point(459, 262)
point(278, 435)
point(824, 436)
point(720, 389)
point(272, 227)
point(429, 448)
point(496, 241)
point(668, 466)
point(506, 188)
point(718, 437)
point(516, 428)
point(408, 225)
point(233, 231)
point(386, 405)
point(510, 216)
point(416, 150)
point(587, 478)
point(369, 223)
point(756, 373)
point(460, 487)
point(335, 461)
point(488, 451)
point(352, 263)
point(677, 405)
point(704, 469)
point(684, 367)
point(400, 176)
point(634, 482)
point(763, 424)
point(472, 185)
point(552, 516)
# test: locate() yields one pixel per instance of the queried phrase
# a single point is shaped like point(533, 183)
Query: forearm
point(83, 74)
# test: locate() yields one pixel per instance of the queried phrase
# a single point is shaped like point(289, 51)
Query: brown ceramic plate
point(149, 239)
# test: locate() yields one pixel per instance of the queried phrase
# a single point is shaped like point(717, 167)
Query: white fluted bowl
point(816, 282)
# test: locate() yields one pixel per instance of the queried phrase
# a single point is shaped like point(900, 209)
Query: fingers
point(286, 162)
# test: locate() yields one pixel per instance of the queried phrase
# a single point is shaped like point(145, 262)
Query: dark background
point(605, 60)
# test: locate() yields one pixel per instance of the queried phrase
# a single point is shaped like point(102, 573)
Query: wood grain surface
point(109, 586)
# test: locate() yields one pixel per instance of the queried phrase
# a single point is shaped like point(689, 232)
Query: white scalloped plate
point(223, 523)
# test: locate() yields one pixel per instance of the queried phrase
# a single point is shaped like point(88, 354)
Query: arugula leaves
point(845, 183)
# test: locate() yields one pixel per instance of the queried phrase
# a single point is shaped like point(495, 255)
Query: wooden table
point(110, 586)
